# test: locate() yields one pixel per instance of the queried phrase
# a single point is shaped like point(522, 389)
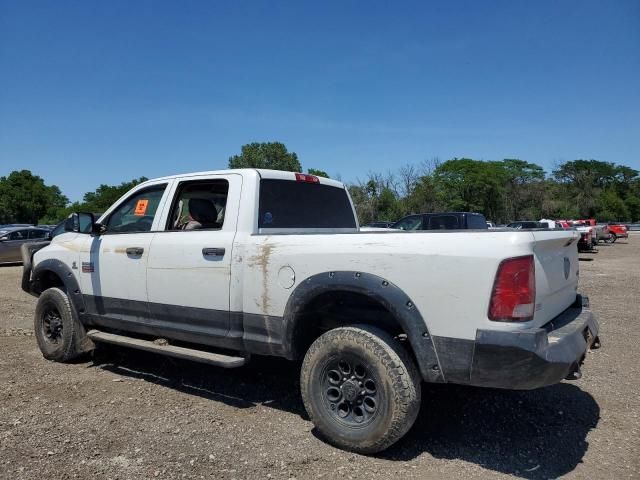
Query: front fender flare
point(65, 274)
point(388, 294)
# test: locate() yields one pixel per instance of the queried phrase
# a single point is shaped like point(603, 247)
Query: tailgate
point(556, 255)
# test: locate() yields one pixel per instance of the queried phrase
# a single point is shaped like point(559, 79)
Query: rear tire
point(360, 388)
point(614, 237)
point(59, 333)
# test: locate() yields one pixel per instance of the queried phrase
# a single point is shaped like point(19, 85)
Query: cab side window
point(137, 212)
point(18, 235)
point(199, 205)
point(37, 234)
point(410, 223)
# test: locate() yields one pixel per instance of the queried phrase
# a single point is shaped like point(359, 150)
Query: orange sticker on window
point(141, 207)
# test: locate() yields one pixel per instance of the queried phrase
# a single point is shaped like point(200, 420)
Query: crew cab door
point(189, 271)
point(114, 265)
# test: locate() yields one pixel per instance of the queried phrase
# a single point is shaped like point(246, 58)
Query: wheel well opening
point(49, 279)
point(340, 308)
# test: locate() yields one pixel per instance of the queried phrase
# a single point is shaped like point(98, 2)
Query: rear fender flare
point(386, 293)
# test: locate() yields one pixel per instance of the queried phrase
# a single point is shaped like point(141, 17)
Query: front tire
point(59, 333)
point(614, 237)
point(360, 388)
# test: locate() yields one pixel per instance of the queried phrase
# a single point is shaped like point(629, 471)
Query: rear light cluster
point(513, 297)
point(303, 177)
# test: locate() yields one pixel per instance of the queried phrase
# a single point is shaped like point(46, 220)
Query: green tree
point(471, 185)
point(583, 181)
point(611, 207)
point(423, 197)
point(632, 202)
point(106, 195)
point(524, 189)
point(318, 173)
point(100, 199)
point(25, 198)
point(271, 155)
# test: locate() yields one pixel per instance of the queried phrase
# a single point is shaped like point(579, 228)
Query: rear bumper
point(527, 359)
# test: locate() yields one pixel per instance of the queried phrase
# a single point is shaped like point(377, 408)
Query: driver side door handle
point(135, 251)
point(213, 252)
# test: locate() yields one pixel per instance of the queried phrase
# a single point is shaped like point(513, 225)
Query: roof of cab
point(262, 172)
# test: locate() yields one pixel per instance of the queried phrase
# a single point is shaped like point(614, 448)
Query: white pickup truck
point(218, 266)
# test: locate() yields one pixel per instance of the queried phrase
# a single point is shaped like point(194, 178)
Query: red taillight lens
point(303, 177)
point(514, 291)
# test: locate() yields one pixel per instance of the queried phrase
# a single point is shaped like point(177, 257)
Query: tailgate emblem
point(567, 268)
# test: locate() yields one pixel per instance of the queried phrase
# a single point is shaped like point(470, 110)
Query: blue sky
point(100, 92)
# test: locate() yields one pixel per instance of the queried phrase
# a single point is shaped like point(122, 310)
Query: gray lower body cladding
point(521, 360)
point(259, 334)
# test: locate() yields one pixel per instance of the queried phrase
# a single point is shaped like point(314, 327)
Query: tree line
point(503, 190)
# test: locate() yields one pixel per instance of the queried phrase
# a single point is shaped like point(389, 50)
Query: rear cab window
point(289, 204)
point(37, 234)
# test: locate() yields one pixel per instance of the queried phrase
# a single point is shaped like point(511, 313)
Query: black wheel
point(614, 237)
point(60, 335)
point(360, 388)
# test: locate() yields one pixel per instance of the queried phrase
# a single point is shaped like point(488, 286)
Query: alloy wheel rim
point(350, 391)
point(52, 325)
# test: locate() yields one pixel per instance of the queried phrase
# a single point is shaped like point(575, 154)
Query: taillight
point(514, 291)
point(303, 177)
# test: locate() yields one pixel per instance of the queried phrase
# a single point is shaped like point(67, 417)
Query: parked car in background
point(442, 221)
point(617, 230)
point(633, 227)
point(12, 238)
point(527, 224)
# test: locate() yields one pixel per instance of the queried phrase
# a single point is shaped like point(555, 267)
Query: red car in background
point(617, 230)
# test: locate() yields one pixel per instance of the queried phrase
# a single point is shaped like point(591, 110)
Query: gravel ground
point(124, 414)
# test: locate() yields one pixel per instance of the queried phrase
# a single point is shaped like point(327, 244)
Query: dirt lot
point(125, 414)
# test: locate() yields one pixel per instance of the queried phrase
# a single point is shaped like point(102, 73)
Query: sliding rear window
point(289, 204)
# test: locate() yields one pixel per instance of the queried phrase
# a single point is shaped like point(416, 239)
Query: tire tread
point(403, 374)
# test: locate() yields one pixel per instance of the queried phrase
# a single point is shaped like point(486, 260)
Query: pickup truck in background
point(220, 266)
point(600, 231)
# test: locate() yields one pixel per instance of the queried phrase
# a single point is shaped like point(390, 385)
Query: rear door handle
point(213, 252)
point(135, 251)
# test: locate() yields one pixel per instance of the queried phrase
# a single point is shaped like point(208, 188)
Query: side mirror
point(79, 223)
